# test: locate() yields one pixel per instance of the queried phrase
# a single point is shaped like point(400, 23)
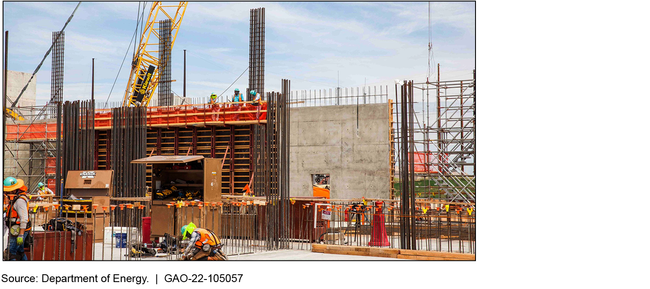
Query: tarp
point(36, 131)
point(420, 161)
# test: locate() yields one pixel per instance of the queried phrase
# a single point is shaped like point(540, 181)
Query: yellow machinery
point(144, 70)
point(13, 114)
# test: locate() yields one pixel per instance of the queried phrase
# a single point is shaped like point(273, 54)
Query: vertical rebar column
point(165, 97)
point(57, 67)
point(57, 96)
point(256, 52)
point(409, 91)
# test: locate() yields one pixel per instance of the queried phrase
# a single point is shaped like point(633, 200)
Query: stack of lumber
point(391, 253)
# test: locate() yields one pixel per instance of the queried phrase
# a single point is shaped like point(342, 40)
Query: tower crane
point(147, 63)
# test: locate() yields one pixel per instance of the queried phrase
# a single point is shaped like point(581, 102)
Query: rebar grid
point(342, 96)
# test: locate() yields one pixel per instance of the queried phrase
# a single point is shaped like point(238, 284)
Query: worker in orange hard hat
point(17, 218)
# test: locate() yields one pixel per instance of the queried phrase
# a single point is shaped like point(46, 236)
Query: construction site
point(385, 172)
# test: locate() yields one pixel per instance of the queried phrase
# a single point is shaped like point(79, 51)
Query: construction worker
point(237, 97)
point(17, 218)
point(203, 245)
point(256, 98)
point(213, 98)
point(43, 190)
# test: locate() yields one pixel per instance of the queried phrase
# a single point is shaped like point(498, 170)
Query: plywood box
point(162, 220)
point(187, 173)
point(87, 184)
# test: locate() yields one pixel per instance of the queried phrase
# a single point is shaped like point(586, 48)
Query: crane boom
point(146, 65)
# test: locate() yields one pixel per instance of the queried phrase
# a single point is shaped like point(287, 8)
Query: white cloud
point(303, 43)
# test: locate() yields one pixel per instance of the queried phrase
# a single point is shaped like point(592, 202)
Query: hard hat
point(237, 89)
point(41, 184)
point(213, 95)
point(183, 229)
point(11, 184)
point(10, 181)
point(187, 230)
point(253, 92)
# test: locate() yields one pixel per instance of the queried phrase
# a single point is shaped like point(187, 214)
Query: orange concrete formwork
point(195, 114)
point(241, 113)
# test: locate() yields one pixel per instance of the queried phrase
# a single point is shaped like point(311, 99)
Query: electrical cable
point(44, 57)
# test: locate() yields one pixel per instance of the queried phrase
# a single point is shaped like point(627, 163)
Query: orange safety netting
point(36, 131)
point(50, 166)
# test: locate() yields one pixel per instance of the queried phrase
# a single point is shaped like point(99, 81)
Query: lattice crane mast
point(147, 63)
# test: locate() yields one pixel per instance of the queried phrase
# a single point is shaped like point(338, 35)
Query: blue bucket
point(121, 240)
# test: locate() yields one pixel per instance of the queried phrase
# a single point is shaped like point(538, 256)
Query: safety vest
point(207, 237)
point(14, 219)
point(236, 98)
point(43, 191)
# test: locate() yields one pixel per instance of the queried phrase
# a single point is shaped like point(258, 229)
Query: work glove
point(19, 240)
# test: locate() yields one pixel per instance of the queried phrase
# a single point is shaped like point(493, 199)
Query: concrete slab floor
point(280, 255)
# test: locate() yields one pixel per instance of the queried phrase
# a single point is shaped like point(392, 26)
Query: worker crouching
point(204, 244)
point(17, 218)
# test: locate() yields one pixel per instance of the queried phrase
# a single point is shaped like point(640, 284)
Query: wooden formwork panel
point(208, 141)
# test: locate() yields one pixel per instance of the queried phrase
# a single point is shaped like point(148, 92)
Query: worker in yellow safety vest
point(43, 190)
point(213, 98)
point(204, 244)
point(17, 218)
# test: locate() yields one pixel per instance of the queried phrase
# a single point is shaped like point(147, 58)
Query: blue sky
point(308, 43)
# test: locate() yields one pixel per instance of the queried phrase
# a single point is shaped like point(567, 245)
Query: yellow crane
point(146, 65)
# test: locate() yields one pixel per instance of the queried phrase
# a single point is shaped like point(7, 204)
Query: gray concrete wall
point(325, 140)
point(20, 152)
point(16, 80)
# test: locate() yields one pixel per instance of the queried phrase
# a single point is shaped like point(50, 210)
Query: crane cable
point(139, 18)
point(234, 81)
point(44, 57)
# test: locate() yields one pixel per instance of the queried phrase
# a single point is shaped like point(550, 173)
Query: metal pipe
point(4, 88)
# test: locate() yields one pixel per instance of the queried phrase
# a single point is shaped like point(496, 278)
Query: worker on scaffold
point(213, 98)
point(237, 97)
point(256, 98)
point(43, 190)
point(17, 218)
point(204, 244)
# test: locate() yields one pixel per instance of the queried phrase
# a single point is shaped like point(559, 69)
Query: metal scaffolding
point(444, 125)
point(30, 146)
